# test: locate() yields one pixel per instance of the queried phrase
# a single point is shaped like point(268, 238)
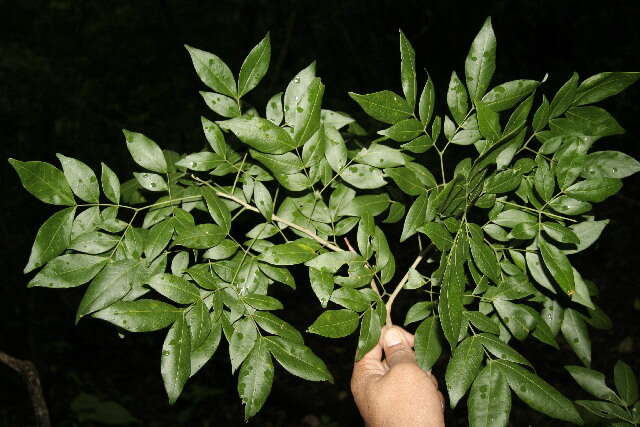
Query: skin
point(391, 390)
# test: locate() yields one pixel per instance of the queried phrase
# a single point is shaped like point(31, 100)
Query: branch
point(275, 218)
point(29, 373)
point(404, 279)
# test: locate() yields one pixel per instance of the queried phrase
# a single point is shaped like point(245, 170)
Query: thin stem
point(404, 279)
point(275, 218)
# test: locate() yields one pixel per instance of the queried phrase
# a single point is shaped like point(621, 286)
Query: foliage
point(194, 242)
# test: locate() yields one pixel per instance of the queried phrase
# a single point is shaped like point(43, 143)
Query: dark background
point(73, 73)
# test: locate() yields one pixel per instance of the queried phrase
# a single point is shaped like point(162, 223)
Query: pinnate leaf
point(175, 362)
point(44, 181)
point(144, 315)
point(335, 323)
point(52, 238)
point(537, 393)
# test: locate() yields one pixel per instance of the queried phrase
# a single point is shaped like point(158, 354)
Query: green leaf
point(541, 116)
point(415, 217)
point(262, 302)
point(281, 275)
point(483, 255)
point(569, 206)
point(488, 122)
point(369, 333)
point(537, 393)
point(450, 305)
point(591, 381)
point(588, 232)
point(560, 233)
point(427, 346)
point(438, 234)
point(418, 312)
point(363, 176)
point(274, 325)
point(489, 402)
point(457, 99)
point(202, 162)
point(594, 189)
point(512, 217)
point(503, 182)
point(145, 152)
point(626, 382)
point(201, 354)
point(408, 70)
point(610, 164)
point(296, 90)
point(603, 85)
point(217, 208)
point(221, 104)
point(506, 95)
point(575, 332)
point(372, 204)
point(175, 288)
point(351, 299)
point(254, 67)
point(406, 180)
point(110, 184)
point(308, 109)
point(500, 349)
point(381, 156)
point(242, 341)
point(592, 122)
point(151, 181)
point(68, 271)
point(175, 362)
point(565, 97)
point(481, 322)
point(158, 238)
point(213, 71)
point(558, 264)
point(290, 253)
point(322, 285)
point(298, 359)
point(143, 315)
point(517, 319)
point(419, 144)
point(260, 134)
point(286, 163)
point(462, 369)
point(606, 410)
point(202, 236)
point(110, 285)
point(44, 181)
point(543, 181)
point(255, 379)
point(403, 130)
point(93, 242)
point(52, 239)
point(534, 263)
point(384, 106)
point(275, 112)
point(427, 102)
point(335, 323)
point(481, 61)
point(81, 179)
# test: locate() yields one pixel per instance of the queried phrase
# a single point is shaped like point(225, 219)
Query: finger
point(408, 335)
point(396, 347)
point(366, 370)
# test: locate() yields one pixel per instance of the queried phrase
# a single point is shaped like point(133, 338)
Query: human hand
point(395, 391)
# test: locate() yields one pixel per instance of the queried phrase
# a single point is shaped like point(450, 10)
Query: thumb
point(396, 347)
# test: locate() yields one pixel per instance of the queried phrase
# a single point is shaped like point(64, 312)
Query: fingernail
point(392, 337)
